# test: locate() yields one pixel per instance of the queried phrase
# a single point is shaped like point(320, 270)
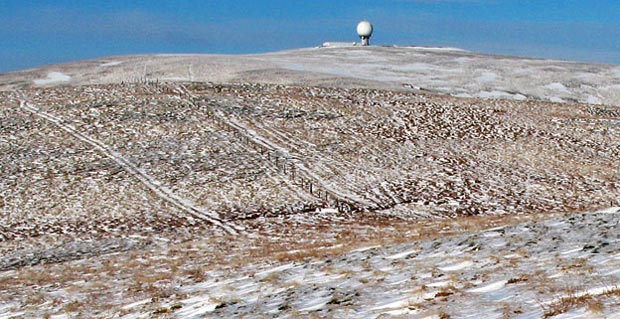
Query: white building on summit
point(364, 30)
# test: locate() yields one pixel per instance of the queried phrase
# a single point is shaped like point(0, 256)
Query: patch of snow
point(403, 311)
point(437, 49)
point(500, 95)
point(136, 304)
point(444, 283)
point(487, 77)
point(395, 304)
point(579, 313)
point(611, 273)
point(174, 78)
point(12, 315)
point(402, 255)
point(416, 67)
point(558, 87)
point(275, 269)
point(338, 44)
point(53, 77)
point(491, 287)
point(571, 251)
point(513, 256)
point(498, 228)
point(366, 248)
point(315, 304)
point(111, 63)
point(463, 60)
point(492, 234)
point(198, 309)
point(591, 99)
point(611, 210)
point(426, 275)
point(458, 266)
point(136, 316)
point(463, 95)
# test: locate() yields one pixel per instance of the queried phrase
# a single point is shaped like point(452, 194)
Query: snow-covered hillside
point(443, 70)
point(356, 192)
point(566, 267)
point(136, 195)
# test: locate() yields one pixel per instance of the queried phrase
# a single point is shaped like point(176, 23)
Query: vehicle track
point(325, 166)
point(294, 159)
point(342, 199)
point(152, 184)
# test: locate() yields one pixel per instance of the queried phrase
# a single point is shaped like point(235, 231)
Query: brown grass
point(73, 306)
point(573, 301)
point(570, 302)
point(518, 279)
point(612, 292)
point(188, 261)
point(380, 232)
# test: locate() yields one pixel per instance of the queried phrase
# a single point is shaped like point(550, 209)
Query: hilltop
point(431, 69)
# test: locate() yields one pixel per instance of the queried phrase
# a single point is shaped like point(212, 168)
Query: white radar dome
point(364, 29)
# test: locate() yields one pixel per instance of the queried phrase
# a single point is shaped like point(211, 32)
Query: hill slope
point(192, 199)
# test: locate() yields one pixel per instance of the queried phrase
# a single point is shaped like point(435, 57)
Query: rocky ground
point(180, 200)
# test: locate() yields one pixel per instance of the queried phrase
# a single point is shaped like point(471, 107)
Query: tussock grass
point(571, 302)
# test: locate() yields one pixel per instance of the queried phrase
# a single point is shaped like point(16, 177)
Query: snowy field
point(566, 267)
point(350, 189)
point(440, 70)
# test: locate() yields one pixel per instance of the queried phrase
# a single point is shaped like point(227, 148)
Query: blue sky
point(34, 33)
